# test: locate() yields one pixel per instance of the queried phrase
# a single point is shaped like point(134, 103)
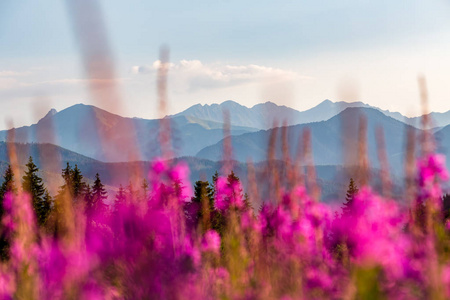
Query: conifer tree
point(46, 206)
point(66, 189)
point(120, 198)
point(214, 183)
point(88, 195)
point(200, 207)
point(67, 176)
point(233, 180)
point(78, 186)
point(8, 185)
point(247, 203)
point(202, 189)
point(33, 184)
point(350, 197)
point(99, 194)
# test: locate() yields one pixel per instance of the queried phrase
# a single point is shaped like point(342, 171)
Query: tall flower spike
point(164, 126)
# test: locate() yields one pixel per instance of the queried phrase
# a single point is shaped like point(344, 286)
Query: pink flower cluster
point(290, 248)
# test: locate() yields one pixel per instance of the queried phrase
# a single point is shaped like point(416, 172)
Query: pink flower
point(228, 194)
point(159, 166)
point(211, 241)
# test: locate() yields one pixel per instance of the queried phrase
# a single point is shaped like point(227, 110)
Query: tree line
point(201, 211)
point(48, 209)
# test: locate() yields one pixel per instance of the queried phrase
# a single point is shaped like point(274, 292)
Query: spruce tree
point(347, 209)
point(120, 198)
point(67, 176)
point(201, 205)
point(99, 194)
point(247, 203)
point(202, 189)
point(8, 185)
point(234, 181)
point(33, 184)
point(46, 206)
point(78, 186)
point(214, 183)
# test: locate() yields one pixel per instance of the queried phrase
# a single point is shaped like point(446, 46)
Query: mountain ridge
point(328, 139)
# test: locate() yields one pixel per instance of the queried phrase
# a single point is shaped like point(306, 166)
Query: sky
point(291, 52)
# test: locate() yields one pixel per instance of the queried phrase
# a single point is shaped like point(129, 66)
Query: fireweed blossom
point(432, 171)
point(289, 248)
point(228, 194)
point(211, 241)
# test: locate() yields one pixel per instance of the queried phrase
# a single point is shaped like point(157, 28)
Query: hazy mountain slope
point(265, 115)
point(104, 136)
point(328, 138)
point(101, 135)
point(40, 152)
point(333, 180)
point(53, 158)
point(438, 119)
point(443, 142)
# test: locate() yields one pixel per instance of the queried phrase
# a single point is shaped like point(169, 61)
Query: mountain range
point(265, 115)
point(334, 141)
point(104, 136)
point(99, 141)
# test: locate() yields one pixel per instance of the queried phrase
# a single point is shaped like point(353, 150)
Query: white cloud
point(6, 83)
point(13, 73)
point(9, 79)
point(193, 75)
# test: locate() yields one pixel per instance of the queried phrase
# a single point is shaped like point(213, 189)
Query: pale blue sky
point(296, 53)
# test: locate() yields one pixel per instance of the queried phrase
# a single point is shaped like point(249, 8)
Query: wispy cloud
point(194, 74)
point(8, 73)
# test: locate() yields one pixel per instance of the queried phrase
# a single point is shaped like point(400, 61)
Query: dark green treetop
point(349, 198)
point(33, 185)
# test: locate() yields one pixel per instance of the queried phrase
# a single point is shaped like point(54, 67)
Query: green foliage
point(203, 189)
point(367, 281)
point(33, 185)
point(201, 209)
point(73, 182)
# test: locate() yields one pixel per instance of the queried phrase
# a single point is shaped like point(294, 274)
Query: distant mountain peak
point(51, 112)
point(230, 103)
point(267, 103)
point(49, 115)
point(326, 101)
